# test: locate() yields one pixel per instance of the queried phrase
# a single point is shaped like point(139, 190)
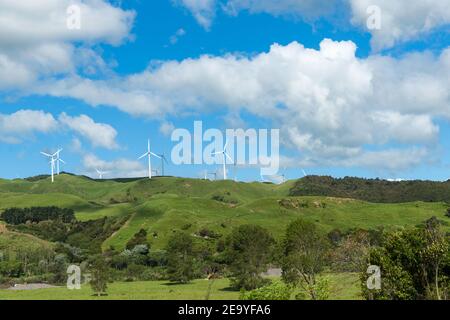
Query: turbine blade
point(46, 154)
point(61, 160)
point(155, 155)
point(144, 155)
point(229, 157)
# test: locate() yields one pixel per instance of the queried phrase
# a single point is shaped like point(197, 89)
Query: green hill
point(164, 205)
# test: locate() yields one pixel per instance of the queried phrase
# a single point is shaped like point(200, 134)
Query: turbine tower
point(225, 155)
point(52, 163)
point(58, 160)
point(149, 154)
point(163, 159)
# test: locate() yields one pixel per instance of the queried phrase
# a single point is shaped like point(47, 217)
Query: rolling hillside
point(164, 205)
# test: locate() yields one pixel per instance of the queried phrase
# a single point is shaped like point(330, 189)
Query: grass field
point(343, 286)
point(165, 204)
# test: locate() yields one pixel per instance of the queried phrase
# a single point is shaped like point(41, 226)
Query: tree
point(414, 263)
point(99, 275)
point(180, 258)
point(305, 254)
point(248, 252)
point(351, 253)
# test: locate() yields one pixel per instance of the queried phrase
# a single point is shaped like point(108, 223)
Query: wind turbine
point(101, 173)
point(163, 159)
point(149, 154)
point(225, 155)
point(58, 160)
point(52, 163)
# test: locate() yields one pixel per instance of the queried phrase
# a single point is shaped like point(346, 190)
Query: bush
point(11, 268)
point(274, 291)
point(206, 233)
point(140, 238)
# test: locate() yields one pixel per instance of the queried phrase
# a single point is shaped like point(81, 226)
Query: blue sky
point(369, 103)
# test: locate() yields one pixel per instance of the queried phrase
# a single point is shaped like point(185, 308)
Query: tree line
point(373, 190)
point(17, 216)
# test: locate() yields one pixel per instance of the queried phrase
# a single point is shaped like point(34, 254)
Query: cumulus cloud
point(14, 127)
point(42, 45)
point(401, 20)
point(99, 134)
point(122, 168)
point(329, 103)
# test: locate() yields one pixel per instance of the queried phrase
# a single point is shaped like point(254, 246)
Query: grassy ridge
point(165, 204)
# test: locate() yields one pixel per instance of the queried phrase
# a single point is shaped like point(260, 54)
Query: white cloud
point(35, 42)
point(76, 146)
point(203, 11)
point(122, 168)
point(307, 9)
point(401, 20)
point(391, 160)
point(99, 134)
point(177, 35)
point(166, 128)
point(16, 126)
point(328, 103)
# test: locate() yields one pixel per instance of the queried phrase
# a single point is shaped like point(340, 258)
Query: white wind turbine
point(58, 160)
point(52, 163)
point(101, 173)
point(225, 155)
point(149, 154)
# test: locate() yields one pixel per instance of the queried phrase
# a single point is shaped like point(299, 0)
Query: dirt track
point(31, 286)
